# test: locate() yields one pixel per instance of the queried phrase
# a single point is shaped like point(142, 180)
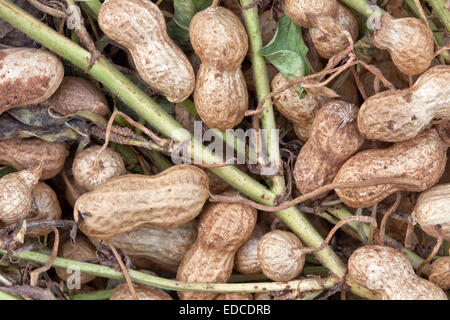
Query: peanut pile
point(225, 150)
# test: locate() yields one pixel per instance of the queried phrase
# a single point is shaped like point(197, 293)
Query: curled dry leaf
point(139, 26)
point(402, 114)
point(125, 203)
point(220, 40)
point(31, 152)
point(143, 292)
point(334, 138)
point(390, 273)
point(422, 159)
point(88, 176)
point(75, 94)
point(28, 77)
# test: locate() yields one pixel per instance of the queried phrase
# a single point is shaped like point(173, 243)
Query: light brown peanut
point(125, 203)
point(89, 177)
point(401, 115)
point(439, 272)
point(390, 273)
point(139, 26)
point(246, 259)
point(422, 158)
point(222, 230)
point(31, 152)
point(143, 292)
point(220, 40)
point(28, 76)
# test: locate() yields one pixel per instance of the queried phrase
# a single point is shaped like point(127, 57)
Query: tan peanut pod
point(143, 292)
point(389, 272)
point(222, 230)
point(220, 40)
point(409, 41)
point(75, 94)
point(422, 158)
point(305, 12)
point(234, 296)
point(278, 256)
point(164, 247)
point(432, 211)
point(15, 194)
point(300, 111)
point(28, 76)
point(439, 272)
point(139, 26)
point(82, 250)
point(389, 71)
point(110, 165)
point(125, 203)
point(334, 138)
point(402, 114)
point(328, 34)
point(74, 192)
point(45, 206)
point(246, 259)
point(31, 152)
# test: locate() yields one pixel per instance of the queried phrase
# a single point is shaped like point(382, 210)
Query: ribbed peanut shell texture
point(422, 159)
point(15, 195)
point(278, 257)
point(432, 211)
point(165, 247)
point(246, 259)
point(28, 77)
point(82, 251)
point(89, 177)
point(27, 153)
point(305, 12)
point(401, 115)
point(389, 272)
point(139, 26)
point(334, 138)
point(439, 272)
point(75, 94)
point(223, 228)
point(125, 203)
point(220, 40)
point(300, 111)
point(143, 292)
point(408, 40)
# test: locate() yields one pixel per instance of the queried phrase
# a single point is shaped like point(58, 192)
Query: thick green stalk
point(6, 296)
point(129, 93)
point(363, 7)
point(443, 14)
point(98, 295)
point(262, 85)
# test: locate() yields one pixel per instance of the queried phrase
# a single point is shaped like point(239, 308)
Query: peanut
point(143, 292)
point(139, 26)
point(75, 94)
point(110, 165)
point(220, 40)
point(439, 272)
point(277, 255)
point(300, 111)
point(222, 230)
point(82, 250)
point(27, 153)
point(409, 41)
point(15, 194)
point(334, 138)
point(390, 273)
point(422, 159)
point(401, 115)
point(246, 259)
point(432, 211)
point(164, 247)
point(327, 22)
point(125, 203)
point(45, 206)
point(28, 77)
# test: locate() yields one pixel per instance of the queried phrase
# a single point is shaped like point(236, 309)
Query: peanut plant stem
point(98, 295)
point(130, 94)
point(6, 296)
point(443, 14)
point(362, 6)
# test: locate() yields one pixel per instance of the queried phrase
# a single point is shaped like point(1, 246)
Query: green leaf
point(287, 51)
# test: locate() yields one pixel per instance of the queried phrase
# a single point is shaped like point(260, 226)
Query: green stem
point(140, 277)
point(6, 296)
point(262, 84)
point(98, 295)
point(363, 7)
point(443, 14)
point(94, 6)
